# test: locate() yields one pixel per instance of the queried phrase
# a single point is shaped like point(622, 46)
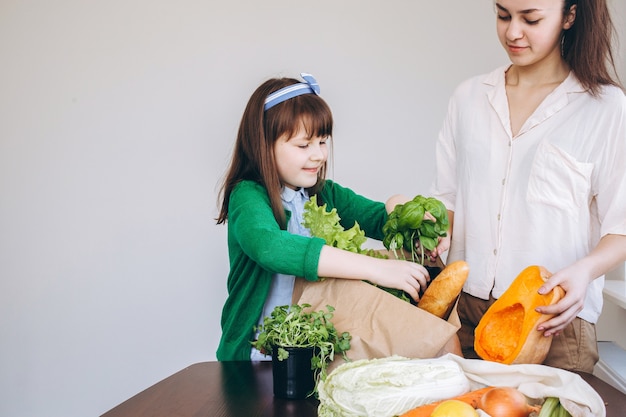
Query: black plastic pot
point(293, 377)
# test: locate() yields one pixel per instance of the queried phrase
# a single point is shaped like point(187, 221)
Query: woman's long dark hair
point(587, 44)
point(253, 154)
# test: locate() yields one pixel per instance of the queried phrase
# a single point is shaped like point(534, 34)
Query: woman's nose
point(514, 30)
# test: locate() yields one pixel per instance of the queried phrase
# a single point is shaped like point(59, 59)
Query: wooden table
point(244, 389)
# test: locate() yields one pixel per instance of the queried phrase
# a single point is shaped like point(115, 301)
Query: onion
point(505, 402)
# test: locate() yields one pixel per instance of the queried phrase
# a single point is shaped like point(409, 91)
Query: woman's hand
point(574, 282)
point(575, 279)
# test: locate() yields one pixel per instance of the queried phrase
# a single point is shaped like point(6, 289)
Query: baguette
point(442, 293)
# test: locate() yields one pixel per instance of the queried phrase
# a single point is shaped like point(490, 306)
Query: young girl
point(531, 162)
point(279, 161)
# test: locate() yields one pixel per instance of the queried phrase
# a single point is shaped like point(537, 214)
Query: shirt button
point(495, 251)
point(498, 217)
point(503, 181)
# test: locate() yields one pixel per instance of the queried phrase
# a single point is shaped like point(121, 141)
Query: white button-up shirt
point(544, 197)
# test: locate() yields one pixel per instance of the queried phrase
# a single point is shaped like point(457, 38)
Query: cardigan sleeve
point(352, 207)
point(254, 230)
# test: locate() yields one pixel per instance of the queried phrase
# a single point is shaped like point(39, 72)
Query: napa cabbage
point(389, 386)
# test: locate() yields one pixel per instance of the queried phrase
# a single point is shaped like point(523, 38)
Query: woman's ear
point(569, 19)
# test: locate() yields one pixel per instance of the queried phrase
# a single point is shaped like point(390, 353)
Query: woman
point(531, 163)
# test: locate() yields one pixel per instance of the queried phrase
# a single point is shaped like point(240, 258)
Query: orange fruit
point(454, 408)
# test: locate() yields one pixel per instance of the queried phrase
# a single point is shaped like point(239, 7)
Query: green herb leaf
point(408, 221)
point(298, 326)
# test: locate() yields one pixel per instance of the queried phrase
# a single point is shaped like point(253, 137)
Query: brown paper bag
point(381, 324)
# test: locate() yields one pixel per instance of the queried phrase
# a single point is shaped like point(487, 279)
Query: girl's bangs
point(317, 119)
point(308, 110)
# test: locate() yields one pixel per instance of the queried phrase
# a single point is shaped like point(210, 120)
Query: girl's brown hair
point(587, 44)
point(253, 155)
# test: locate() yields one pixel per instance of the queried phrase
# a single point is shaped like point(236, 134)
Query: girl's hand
point(444, 242)
point(574, 281)
point(443, 245)
point(402, 275)
point(394, 200)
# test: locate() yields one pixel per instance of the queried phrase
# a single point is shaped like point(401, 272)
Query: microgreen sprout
point(298, 326)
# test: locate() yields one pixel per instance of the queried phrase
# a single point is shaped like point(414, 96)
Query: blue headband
point(308, 87)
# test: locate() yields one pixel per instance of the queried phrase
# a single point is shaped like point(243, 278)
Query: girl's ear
point(569, 19)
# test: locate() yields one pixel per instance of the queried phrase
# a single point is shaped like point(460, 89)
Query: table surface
point(236, 389)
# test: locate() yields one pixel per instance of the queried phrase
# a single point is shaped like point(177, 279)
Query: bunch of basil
point(408, 224)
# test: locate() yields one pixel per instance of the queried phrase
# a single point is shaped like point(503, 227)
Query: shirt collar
point(289, 194)
point(562, 95)
point(570, 84)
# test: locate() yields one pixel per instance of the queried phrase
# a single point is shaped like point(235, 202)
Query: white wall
point(116, 121)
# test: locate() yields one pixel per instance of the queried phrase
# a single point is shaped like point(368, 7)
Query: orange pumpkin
point(507, 333)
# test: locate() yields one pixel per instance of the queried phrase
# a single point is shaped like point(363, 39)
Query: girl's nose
point(317, 153)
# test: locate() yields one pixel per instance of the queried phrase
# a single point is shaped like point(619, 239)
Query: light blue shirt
point(282, 285)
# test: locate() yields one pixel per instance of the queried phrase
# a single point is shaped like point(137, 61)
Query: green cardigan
point(259, 248)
